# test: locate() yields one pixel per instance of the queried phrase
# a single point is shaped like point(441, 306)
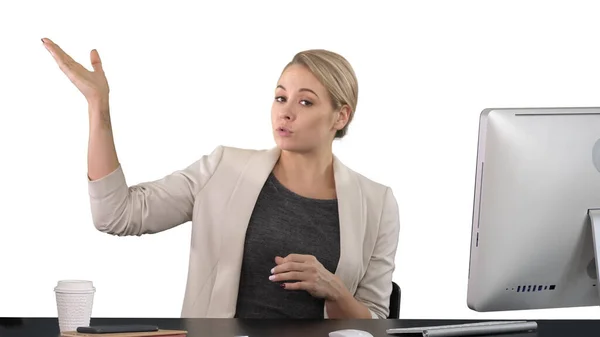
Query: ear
point(343, 115)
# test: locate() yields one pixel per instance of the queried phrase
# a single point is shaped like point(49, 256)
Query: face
point(302, 116)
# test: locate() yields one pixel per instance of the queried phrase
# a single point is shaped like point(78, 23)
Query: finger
point(56, 51)
point(64, 61)
point(96, 62)
point(288, 266)
point(288, 276)
point(298, 258)
point(296, 286)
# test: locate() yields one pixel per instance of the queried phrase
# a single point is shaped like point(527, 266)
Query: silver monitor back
point(538, 175)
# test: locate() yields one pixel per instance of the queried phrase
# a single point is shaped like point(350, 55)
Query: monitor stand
point(594, 215)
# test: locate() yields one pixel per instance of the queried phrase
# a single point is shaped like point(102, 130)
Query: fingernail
point(272, 270)
point(282, 285)
point(272, 277)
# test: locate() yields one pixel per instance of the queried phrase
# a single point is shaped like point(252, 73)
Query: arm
point(116, 208)
point(145, 208)
point(149, 207)
point(375, 288)
point(102, 155)
point(345, 306)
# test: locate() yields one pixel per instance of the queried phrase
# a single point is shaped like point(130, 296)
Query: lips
point(284, 132)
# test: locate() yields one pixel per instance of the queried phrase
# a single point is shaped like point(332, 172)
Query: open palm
point(92, 84)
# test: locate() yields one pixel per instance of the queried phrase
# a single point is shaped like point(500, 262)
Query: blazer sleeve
point(149, 207)
point(375, 288)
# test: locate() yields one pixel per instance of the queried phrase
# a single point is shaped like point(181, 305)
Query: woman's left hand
point(306, 273)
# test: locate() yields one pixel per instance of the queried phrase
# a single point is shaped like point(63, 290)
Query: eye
point(280, 99)
point(305, 102)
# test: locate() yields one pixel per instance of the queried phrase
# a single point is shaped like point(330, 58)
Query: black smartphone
point(100, 329)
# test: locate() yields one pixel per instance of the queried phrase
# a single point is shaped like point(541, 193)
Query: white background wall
point(186, 77)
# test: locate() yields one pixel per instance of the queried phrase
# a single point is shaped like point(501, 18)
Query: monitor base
point(594, 215)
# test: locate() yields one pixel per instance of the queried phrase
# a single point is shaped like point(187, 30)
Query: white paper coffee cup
point(74, 302)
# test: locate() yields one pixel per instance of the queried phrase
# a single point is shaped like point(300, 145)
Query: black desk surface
point(48, 327)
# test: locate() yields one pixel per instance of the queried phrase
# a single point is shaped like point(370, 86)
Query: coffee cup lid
point(75, 286)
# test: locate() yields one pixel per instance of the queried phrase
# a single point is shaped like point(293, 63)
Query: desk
point(48, 327)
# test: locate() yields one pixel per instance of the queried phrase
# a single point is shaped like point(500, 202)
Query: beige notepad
point(159, 333)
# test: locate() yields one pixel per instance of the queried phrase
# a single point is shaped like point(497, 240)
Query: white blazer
point(217, 193)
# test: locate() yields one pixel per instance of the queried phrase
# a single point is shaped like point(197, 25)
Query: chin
point(290, 146)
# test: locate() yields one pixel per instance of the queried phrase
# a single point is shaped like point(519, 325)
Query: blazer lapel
point(233, 232)
point(351, 208)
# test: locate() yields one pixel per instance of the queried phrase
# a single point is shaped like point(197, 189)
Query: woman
point(289, 232)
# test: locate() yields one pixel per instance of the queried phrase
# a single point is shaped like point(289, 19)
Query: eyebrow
point(301, 89)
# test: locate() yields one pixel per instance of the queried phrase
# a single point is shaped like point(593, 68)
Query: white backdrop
point(186, 77)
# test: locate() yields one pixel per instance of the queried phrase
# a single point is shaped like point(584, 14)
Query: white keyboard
point(466, 329)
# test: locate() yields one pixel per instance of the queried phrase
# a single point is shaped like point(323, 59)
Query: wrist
point(99, 115)
point(340, 294)
point(98, 104)
point(341, 304)
point(346, 307)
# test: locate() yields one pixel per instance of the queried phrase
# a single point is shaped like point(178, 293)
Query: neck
point(312, 167)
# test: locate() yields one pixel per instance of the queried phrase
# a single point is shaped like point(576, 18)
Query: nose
point(286, 113)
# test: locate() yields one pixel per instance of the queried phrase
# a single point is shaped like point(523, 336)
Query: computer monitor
point(536, 210)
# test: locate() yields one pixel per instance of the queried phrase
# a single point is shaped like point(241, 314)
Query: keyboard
point(467, 329)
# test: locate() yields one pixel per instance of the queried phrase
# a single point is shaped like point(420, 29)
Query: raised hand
point(92, 84)
point(102, 155)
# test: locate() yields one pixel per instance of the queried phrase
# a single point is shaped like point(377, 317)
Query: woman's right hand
point(92, 84)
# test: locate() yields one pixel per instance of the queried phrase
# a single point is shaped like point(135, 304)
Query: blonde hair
point(336, 75)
